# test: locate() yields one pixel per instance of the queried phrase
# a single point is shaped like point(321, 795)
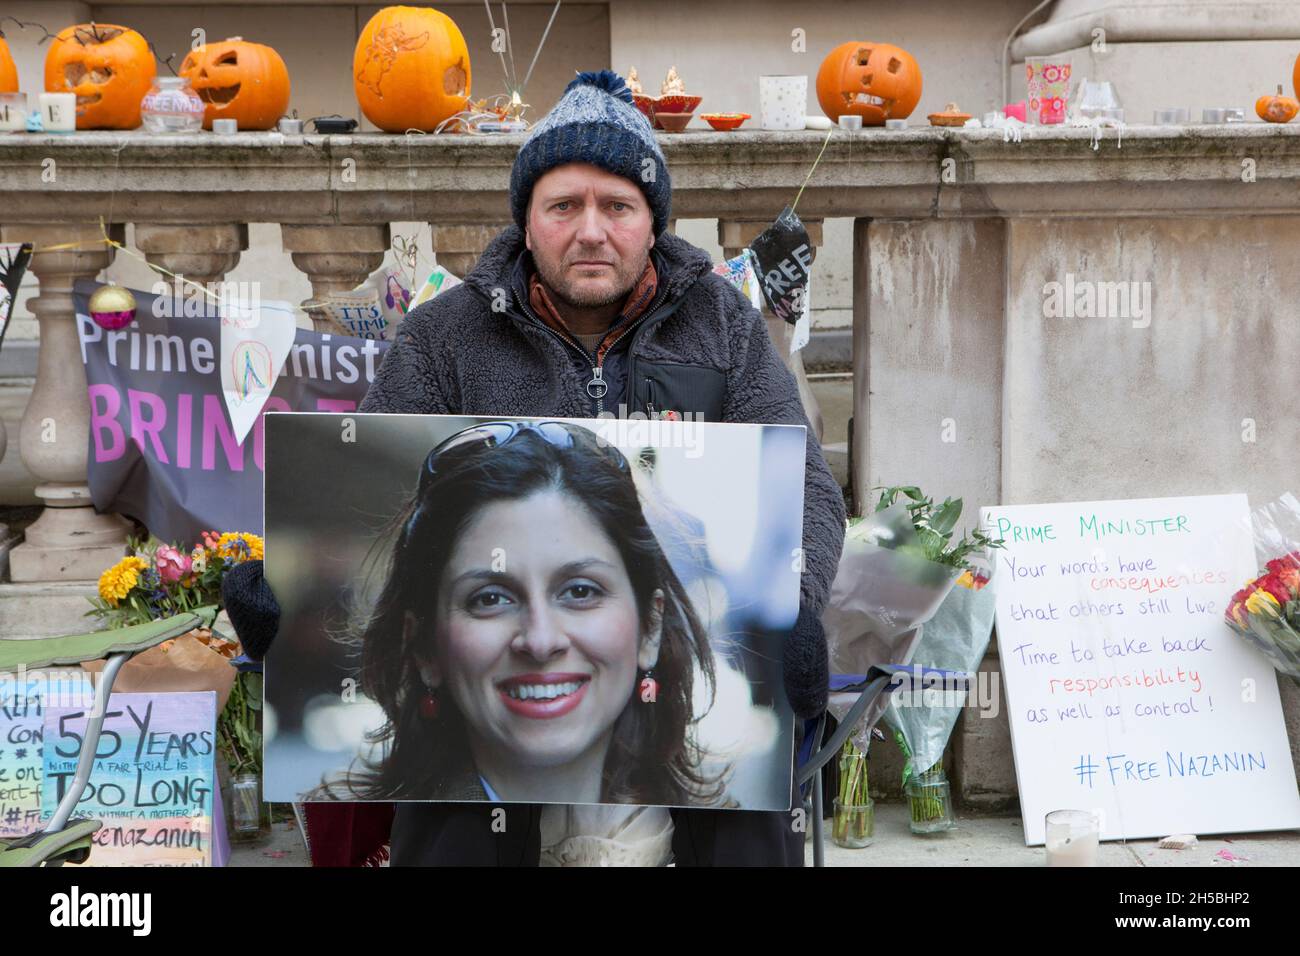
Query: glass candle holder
point(1048, 82)
point(59, 112)
point(1072, 837)
point(13, 112)
point(783, 101)
point(172, 106)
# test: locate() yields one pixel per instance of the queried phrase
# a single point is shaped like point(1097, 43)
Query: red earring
point(429, 705)
point(649, 688)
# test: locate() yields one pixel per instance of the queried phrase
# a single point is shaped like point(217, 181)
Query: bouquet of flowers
point(158, 580)
point(898, 566)
point(1266, 612)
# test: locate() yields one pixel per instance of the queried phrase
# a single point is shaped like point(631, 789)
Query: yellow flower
point(240, 546)
point(116, 583)
point(1261, 602)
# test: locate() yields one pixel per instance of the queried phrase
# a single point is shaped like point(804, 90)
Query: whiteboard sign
point(1128, 695)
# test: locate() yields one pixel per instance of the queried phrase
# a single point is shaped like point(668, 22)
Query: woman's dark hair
point(653, 757)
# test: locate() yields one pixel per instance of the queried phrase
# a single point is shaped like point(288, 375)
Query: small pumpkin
point(877, 81)
point(950, 115)
point(8, 71)
point(110, 68)
point(239, 80)
point(1277, 108)
point(411, 69)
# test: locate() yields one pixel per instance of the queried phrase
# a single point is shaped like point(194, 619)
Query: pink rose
point(172, 564)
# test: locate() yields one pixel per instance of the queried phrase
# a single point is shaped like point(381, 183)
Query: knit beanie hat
point(594, 122)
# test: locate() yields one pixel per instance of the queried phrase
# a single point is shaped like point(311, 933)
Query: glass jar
point(853, 825)
point(245, 800)
point(930, 800)
point(172, 106)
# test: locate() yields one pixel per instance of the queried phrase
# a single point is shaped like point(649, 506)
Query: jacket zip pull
point(597, 387)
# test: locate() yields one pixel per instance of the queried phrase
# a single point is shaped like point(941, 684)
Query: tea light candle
point(288, 125)
point(895, 124)
point(225, 126)
point(850, 121)
point(1170, 116)
point(13, 112)
point(59, 112)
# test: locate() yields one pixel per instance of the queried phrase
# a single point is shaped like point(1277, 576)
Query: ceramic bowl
point(672, 122)
point(724, 121)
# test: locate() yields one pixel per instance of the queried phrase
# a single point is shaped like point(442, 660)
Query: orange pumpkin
point(1277, 108)
point(238, 80)
point(877, 81)
point(110, 68)
point(8, 72)
point(411, 69)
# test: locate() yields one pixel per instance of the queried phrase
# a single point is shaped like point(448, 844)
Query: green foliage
point(935, 527)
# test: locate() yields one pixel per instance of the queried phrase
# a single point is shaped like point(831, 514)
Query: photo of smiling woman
point(530, 640)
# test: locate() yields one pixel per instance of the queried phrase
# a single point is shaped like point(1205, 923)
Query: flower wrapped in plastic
point(1266, 612)
point(897, 567)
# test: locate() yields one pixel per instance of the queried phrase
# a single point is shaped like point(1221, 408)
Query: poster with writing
point(1128, 695)
point(152, 781)
point(24, 696)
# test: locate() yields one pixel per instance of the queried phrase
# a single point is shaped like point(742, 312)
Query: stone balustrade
point(968, 380)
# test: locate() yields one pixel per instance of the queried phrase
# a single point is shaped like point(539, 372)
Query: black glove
point(252, 607)
point(807, 666)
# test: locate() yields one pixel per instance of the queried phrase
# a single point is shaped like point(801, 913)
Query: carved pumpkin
point(238, 80)
point(1277, 108)
point(877, 81)
point(8, 72)
point(110, 68)
point(411, 69)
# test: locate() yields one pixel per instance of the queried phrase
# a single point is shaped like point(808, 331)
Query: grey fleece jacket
point(701, 347)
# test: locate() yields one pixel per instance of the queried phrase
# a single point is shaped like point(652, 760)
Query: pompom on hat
point(594, 122)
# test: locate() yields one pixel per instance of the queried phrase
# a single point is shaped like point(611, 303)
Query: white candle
point(1073, 851)
point(59, 112)
point(13, 112)
point(1071, 838)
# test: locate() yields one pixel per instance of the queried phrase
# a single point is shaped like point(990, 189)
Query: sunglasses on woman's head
point(496, 434)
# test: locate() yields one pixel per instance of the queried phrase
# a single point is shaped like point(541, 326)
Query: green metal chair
point(61, 841)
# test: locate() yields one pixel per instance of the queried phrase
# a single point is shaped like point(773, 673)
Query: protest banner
point(162, 448)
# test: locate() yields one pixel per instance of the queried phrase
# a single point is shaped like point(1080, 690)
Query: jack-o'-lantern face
point(238, 80)
point(109, 68)
point(877, 81)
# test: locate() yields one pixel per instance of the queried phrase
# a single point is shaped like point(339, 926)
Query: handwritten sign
point(23, 699)
point(152, 781)
point(1128, 695)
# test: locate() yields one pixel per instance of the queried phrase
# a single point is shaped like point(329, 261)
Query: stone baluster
point(201, 253)
point(735, 235)
point(336, 259)
point(69, 541)
point(458, 247)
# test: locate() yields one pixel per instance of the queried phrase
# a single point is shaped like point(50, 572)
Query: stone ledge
point(45, 610)
point(252, 177)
